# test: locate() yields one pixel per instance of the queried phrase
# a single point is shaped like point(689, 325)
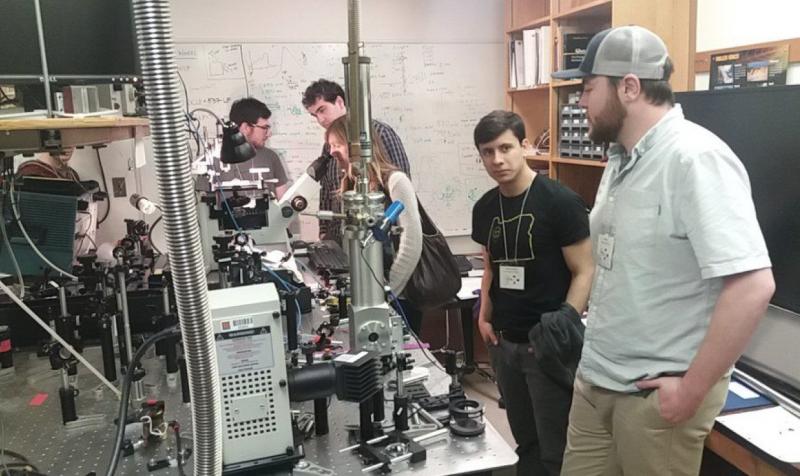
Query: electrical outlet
point(118, 184)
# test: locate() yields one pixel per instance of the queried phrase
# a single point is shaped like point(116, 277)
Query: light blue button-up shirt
point(681, 216)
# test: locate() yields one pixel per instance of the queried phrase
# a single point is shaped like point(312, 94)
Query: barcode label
point(247, 321)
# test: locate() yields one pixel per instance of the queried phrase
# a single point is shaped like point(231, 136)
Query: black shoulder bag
point(436, 280)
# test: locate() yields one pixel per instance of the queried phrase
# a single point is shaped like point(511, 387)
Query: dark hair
point(248, 110)
point(492, 125)
point(327, 90)
point(656, 91)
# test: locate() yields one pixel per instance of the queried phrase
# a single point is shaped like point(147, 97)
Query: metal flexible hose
point(176, 191)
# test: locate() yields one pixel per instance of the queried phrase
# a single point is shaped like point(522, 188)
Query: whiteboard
point(431, 94)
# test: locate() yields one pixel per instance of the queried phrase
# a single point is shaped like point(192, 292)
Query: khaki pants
point(612, 433)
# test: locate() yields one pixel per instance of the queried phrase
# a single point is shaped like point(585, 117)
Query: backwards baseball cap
point(620, 51)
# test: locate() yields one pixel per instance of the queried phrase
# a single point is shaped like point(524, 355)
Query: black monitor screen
point(82, 38)
point(762, 126)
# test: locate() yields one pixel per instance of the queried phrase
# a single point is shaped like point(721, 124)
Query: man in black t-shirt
point(535, 238)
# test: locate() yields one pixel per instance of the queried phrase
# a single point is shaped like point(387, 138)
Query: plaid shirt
point(328, 194)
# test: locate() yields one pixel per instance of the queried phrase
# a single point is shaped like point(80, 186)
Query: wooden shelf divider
point(541, 111)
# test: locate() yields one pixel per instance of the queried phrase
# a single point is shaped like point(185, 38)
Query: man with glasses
point(253, 118)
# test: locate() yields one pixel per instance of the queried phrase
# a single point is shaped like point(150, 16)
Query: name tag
point(512, 277)
point(605, 250)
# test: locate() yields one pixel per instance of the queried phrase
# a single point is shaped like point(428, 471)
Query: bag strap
point(427, 223)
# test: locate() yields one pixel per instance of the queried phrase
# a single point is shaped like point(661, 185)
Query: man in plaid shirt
point(324, 100)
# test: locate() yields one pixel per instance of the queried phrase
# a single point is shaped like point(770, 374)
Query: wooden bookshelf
point(538, 87)
point(537, 22)
point(540, 110)
point(537, 158)
point(576, 161)
point(573, 9)
point(34, 135)
point(566, 83)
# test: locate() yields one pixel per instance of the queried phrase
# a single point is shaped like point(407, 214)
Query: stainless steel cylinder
point(126, 318)
point(165, 299)
point(366, 278)
point(62, 300)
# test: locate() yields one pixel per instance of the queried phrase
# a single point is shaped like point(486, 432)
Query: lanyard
point(519, 222)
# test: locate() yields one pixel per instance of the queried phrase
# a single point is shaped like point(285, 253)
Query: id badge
point(512, 277)
point(605, 250)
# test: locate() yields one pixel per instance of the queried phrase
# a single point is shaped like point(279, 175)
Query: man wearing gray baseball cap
point(682, 278)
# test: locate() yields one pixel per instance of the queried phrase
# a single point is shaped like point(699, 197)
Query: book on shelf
point(530, 58)
point(545, 55)
point(530, 44)
point(519, 60)
point(574, 48)
point(512, 65)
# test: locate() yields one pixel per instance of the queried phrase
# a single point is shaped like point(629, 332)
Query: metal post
point(107, 346)
point(138, 389)
point(43, 54)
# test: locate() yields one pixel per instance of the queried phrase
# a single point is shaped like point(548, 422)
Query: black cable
point(185, 91)
point(244, 72)
point(126, 392)
point(150, 234)
point(7, 100)
point(425, 352)
point(207, 111)
point(105, 185)
point(20, 469)
point(195, 134)
point(13, 454)
point(419, 408)
point(372, 271)
point(219, 123)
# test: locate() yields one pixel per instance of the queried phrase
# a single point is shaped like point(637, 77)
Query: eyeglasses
point(266, 128)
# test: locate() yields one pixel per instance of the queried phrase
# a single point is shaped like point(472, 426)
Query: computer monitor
point(83, 39)
point(761, 126)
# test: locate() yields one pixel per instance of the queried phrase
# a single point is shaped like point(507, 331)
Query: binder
point(742, 397)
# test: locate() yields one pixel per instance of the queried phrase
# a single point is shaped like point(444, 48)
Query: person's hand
point(676, 403)
point(487, 332)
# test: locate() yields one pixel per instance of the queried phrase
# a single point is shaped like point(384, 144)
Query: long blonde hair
point(379, 168)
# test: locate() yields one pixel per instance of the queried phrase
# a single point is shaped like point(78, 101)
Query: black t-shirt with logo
point(553, 216)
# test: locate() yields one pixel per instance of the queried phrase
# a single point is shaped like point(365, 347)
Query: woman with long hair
point(385, 177)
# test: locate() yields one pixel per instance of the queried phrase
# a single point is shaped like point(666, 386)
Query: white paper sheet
point(141, 156)
point(774, 430)
point(468, 286)
point(741, 391)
